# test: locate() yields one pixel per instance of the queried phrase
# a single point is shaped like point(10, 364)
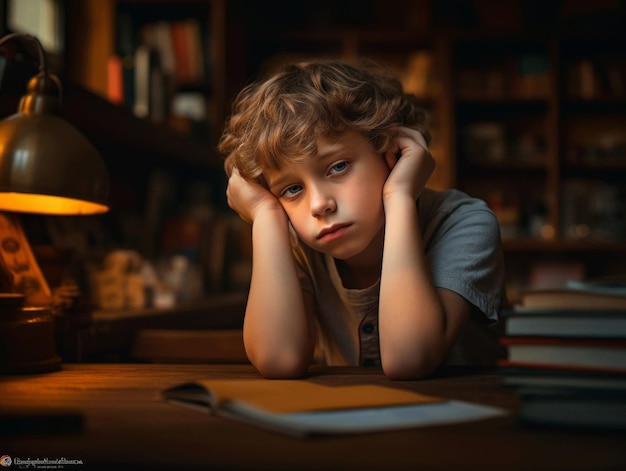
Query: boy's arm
point(277, 331)
point(418, 323)
point(278, 328)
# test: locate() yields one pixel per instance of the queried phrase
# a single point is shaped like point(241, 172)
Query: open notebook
point(302, 408)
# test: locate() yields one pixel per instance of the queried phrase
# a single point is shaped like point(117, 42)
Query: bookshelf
point(506, 114)
point(160, 60)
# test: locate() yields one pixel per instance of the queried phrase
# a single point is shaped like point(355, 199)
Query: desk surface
point(125, 426)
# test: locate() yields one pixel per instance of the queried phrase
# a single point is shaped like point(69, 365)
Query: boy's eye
point(291, 190)
point(339, 167)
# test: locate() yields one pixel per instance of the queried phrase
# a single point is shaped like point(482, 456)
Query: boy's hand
point(411, 165)
point(248, 198)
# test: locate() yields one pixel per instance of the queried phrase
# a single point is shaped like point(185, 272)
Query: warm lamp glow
point(46, 165)
point(46, 204)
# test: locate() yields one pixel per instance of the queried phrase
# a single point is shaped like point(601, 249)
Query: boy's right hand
point(248, 198)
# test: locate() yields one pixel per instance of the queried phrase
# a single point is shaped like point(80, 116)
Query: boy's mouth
point(332, 232)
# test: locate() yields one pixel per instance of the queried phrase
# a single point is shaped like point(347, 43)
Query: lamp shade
point(46, 165)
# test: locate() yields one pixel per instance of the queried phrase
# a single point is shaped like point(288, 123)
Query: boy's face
point(334, 199)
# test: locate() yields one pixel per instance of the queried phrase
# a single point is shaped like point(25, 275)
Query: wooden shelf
point(114, 332)
point(113, 126)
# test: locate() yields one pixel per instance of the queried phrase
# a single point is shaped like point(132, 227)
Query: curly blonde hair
point(281, 119)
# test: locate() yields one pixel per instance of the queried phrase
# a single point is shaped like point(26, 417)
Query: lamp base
point(27, 340)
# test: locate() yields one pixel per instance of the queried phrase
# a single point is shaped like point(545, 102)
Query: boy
point(351, 253)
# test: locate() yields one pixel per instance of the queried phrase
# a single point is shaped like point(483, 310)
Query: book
point(576, 323)
point(595, 410)
point(612, 285)
point(125, 49)
point(302, 408)
point(603, 293)
point(558, 352)
point(150, 88)
point(568, 398)
point(570, 298)
point(115, 79)
point(554, 379)
point(188, 51)
point(143, 60)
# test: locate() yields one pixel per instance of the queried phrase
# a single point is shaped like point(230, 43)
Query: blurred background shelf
point(527, 101)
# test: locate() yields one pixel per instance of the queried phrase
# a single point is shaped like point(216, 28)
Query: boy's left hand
point(411, 164)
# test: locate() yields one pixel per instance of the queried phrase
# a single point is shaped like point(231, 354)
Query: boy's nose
point(322, 203)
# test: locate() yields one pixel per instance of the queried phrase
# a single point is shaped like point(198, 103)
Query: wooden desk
point(126, 427)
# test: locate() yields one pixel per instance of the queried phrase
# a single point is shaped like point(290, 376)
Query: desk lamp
point(46, 167)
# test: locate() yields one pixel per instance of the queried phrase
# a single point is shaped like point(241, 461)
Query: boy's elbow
point(281, 365)
point(415, 367)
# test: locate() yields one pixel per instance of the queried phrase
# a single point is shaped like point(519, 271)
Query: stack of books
point(567, 356)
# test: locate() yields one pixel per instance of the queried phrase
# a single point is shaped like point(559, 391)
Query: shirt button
point(367, 328)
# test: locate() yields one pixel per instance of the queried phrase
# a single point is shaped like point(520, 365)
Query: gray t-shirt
point(462, 245)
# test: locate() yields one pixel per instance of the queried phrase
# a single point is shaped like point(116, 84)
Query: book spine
point(115, 80)
point(184, 73)
point(557, 341)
